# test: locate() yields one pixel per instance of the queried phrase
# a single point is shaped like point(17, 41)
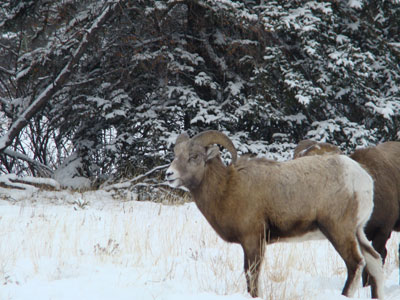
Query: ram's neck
point(210, 193)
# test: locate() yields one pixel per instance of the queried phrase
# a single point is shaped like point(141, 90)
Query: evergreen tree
point(268, 73)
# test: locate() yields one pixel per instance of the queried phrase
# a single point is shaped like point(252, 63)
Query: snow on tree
point(267, 73)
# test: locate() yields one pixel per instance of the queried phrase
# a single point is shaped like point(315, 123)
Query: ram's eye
point(193, 157)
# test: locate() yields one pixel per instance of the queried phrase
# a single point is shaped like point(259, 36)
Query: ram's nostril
point(169, 174)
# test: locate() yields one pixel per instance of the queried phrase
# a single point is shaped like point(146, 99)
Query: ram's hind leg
point(346, 244)
point(355, 264)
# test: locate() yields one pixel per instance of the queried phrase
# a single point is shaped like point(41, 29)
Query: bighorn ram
point(254, 201)
point(383, 163)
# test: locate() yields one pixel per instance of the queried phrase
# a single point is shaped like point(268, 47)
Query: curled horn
point(181, 138)
point(210, 137)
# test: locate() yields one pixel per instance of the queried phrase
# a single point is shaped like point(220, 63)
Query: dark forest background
point(100, 89)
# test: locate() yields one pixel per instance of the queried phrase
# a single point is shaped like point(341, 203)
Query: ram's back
point(305, 189)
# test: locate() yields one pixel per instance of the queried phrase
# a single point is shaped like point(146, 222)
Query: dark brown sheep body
point(383, 163)
point(255, 201)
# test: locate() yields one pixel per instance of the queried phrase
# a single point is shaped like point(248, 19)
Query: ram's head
point(192, 155)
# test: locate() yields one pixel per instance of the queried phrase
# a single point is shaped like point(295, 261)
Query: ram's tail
point(373, 264)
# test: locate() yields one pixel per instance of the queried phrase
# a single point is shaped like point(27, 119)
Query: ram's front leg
point(253, 248)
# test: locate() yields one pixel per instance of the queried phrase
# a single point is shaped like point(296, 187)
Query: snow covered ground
point(64, 245)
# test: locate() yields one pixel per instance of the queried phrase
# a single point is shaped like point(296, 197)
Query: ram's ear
point(212, 151)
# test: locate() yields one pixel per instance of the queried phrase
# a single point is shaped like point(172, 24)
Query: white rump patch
point(359, 183)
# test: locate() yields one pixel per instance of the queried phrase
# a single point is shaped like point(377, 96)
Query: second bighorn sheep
point(255, 201)
point(310, 147)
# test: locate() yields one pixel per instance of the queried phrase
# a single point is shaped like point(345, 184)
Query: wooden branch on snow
point(129, 183)
point(62, 77)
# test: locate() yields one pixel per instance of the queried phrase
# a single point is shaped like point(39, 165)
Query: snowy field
point(63, 245)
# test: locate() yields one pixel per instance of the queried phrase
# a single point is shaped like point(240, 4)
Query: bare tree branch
point(42, 169)
point(62, 77)
point(8, 72)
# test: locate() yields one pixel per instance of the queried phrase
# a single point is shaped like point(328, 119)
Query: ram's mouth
point(174, 183)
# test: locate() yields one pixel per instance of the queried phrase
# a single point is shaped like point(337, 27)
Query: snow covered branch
point(41, 168)
point(60, 80)
point(8, 72)
point(13, 181)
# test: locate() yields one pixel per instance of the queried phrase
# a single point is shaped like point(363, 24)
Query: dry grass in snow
point(62, 245)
